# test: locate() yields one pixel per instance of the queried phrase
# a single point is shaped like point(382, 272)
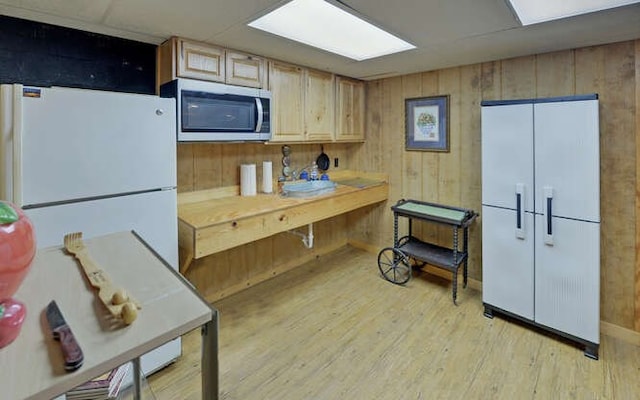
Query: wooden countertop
point(217, 220)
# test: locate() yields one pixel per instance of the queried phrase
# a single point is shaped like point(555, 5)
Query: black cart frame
point(395, 263)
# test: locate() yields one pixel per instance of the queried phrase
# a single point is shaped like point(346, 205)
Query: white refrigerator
point(95, 162)
point(541, 214)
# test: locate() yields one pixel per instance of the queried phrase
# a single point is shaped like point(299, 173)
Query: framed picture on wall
point(427, 123)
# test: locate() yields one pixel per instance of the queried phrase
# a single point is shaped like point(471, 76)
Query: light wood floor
point(334, 329)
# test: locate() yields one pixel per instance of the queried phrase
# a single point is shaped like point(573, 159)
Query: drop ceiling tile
point(427, 22)
point(83, 10)
point(194, 19)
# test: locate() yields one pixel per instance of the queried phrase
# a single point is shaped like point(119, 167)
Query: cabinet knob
point(159, 111)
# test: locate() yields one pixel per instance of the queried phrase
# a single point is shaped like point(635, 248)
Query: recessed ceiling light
point(323, 25)
point(535, 11)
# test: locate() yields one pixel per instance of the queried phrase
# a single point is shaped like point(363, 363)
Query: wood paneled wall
point(212, 165)
point(205, 166)
point(454, 178)
point(612, 71)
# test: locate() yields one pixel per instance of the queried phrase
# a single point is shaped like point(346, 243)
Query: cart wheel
point(394, 265)
point(415, 263)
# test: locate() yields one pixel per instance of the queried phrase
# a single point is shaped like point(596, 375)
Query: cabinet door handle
point(519, 211)
point(548, 214)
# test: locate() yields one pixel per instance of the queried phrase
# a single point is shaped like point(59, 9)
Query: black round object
point(394, 265)
point(323, 161)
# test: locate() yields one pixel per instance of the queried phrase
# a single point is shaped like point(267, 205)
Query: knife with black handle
point(71, 351)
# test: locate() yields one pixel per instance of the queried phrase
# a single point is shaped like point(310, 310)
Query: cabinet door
point(507, 262)
point(319, 106)
point(286, 83)
point(567, 289)
point(507, 155)
point(567, 143)
point(200, 61)
point(245, 70)
point(350, 110)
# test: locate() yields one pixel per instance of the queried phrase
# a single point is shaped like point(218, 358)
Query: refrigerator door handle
point(519, 211)
point(17, 145)
point(548, 214)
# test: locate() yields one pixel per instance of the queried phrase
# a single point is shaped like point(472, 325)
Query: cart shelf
point(433, 254)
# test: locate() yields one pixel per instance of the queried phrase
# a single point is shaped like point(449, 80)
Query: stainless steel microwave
point(215, 112)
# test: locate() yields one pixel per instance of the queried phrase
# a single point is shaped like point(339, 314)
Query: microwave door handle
point(260, 111)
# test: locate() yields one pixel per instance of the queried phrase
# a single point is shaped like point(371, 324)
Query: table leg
point(455, 286)
point(466, 251)
point(455, 264)
point(137, 379)
point(209, 366)
point(395, 230)
point(455, 246)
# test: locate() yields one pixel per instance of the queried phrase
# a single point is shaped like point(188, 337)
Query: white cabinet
point(507, 262)
point(541, 214)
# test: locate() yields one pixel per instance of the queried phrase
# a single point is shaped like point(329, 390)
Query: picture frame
point(427, 123)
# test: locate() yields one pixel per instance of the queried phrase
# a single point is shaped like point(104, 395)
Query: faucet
point(296, 172)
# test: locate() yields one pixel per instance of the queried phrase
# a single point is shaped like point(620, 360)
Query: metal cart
point(395, 263)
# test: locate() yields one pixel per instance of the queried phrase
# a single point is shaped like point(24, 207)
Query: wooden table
point(33, 367)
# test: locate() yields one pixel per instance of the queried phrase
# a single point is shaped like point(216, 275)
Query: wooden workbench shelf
point(217, 220)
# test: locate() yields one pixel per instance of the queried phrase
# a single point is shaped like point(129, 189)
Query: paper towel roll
point(267, 177)
point(248, 180)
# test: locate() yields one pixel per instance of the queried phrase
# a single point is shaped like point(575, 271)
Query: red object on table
point(17, 250)
point(12, 313)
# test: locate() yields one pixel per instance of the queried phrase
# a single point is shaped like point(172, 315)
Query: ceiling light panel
point(320, 24)
point(536, 11)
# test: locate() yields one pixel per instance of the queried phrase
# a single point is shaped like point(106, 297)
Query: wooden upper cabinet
point(286, 83)
point(303, 103)
point(307, 105)
point(319, 106)
point(350, 109)
point(246, 70)
point(185, 58)
point(200, 61)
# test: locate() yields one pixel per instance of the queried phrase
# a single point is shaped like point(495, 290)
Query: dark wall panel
point(39, 54)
